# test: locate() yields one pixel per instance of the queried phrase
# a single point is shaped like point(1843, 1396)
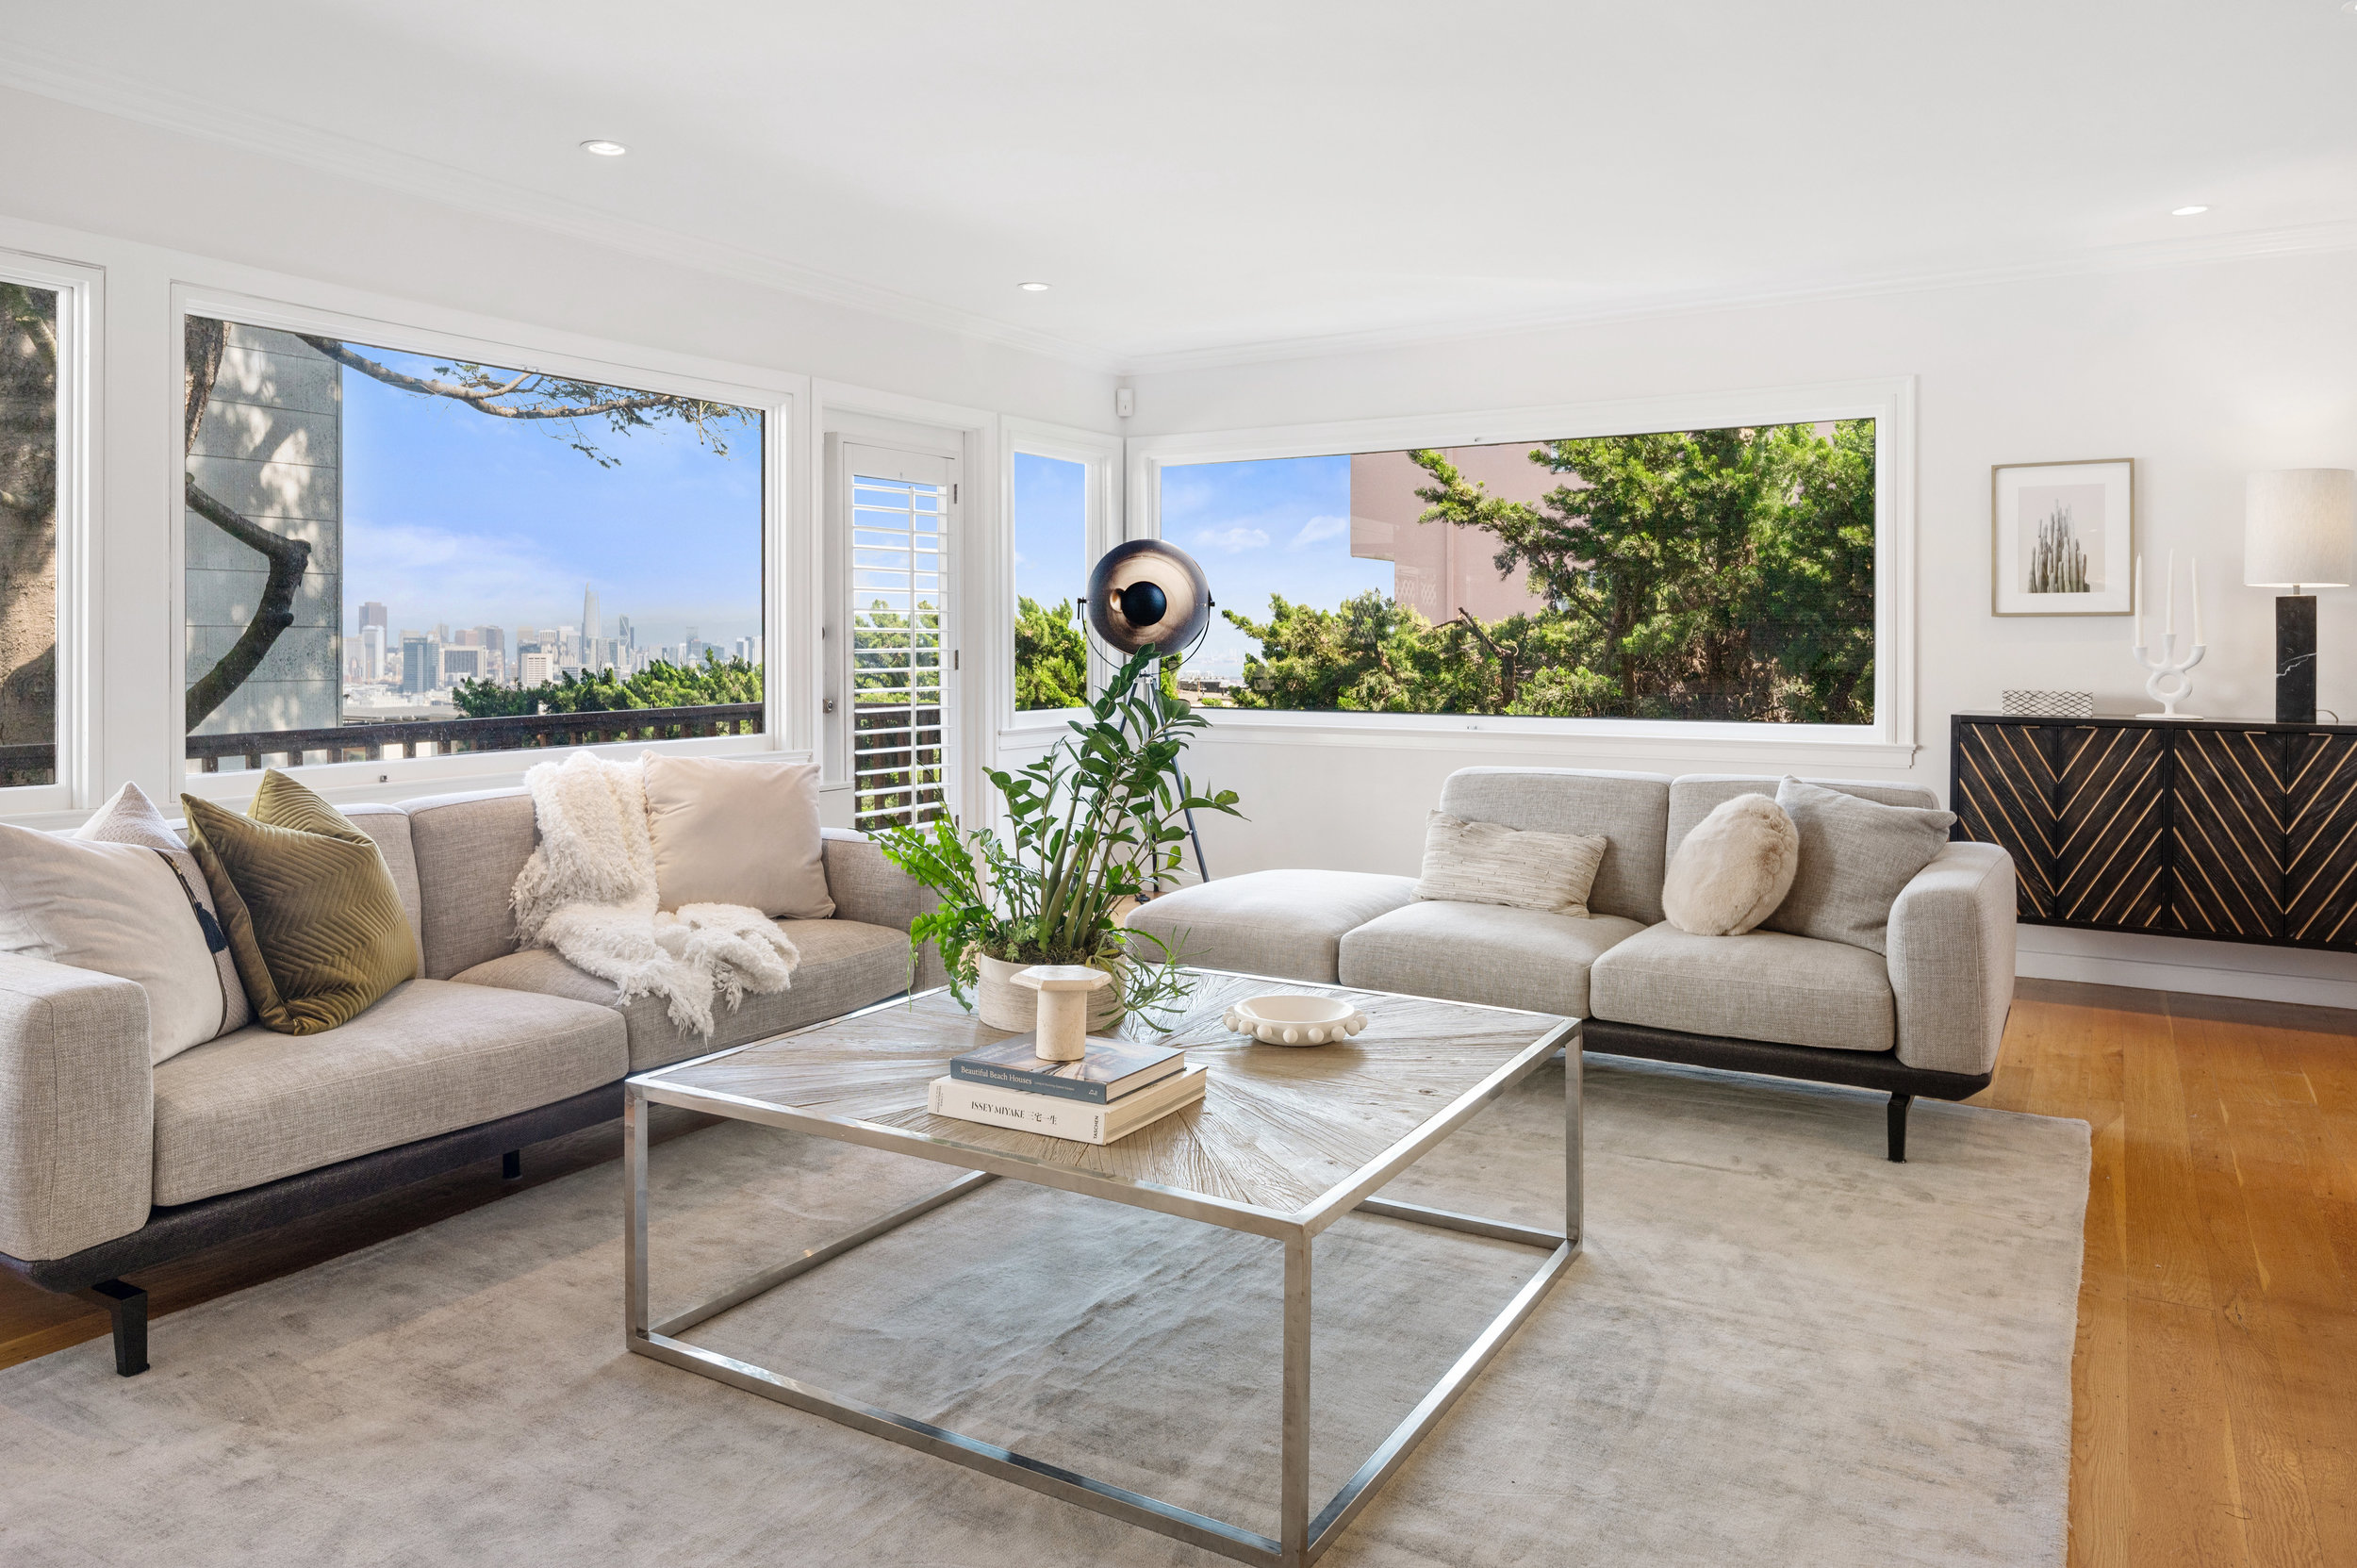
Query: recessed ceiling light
point(1032, 288)
point(2187, 211)
point(603, 148)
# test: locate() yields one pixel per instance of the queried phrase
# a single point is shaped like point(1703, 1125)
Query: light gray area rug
point(1779, 1348)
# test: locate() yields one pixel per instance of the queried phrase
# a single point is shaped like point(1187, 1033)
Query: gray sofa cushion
point(470, 850)
point(1628, 809)
point(431, 1057)
point(1287, 924)
point(1763, 985)
point(1491, 953)
point(1692, 796)
point(1855, 856)
point(389, 827)
point(845, 965)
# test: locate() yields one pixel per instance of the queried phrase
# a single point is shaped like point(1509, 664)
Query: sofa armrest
point(1952, 960)
point(870, 889)
point(78, 1109)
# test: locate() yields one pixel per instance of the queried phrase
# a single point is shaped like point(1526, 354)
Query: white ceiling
point(1216, 175)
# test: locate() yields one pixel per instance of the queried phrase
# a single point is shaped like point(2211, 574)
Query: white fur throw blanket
point(588, 892)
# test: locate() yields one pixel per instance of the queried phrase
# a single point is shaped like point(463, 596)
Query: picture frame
point(2063, 537)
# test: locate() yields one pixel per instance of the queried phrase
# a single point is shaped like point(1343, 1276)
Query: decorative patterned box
point(2049, 704)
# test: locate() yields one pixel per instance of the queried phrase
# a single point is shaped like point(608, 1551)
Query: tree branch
point(479, 397)
point(288, 558)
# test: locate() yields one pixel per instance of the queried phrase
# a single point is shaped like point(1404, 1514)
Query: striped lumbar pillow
point(313, 917)
point(1483, 863)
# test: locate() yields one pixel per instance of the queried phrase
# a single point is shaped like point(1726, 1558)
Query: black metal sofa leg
point(1899, 1104)
point(127, 1305)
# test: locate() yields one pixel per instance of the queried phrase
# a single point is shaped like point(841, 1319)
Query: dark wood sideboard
point(2238, 831)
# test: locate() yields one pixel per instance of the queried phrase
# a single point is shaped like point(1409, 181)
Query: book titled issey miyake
point(1111, 1068)
point(1065, 1118)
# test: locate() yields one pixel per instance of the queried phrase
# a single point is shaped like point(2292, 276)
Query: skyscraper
point(373, 614)
point(590, 630)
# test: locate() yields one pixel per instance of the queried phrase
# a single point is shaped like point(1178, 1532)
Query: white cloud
point(1233, 540)
point(1318, 530)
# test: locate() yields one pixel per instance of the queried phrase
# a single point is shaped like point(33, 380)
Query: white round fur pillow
point(1733, 870)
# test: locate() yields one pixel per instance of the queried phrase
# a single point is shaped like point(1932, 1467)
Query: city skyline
point(451, 519)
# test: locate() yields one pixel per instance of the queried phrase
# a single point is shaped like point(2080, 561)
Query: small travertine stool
point(1064, 1007)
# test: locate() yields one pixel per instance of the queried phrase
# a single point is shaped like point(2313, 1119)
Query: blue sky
point(453, 516)
point(1050, 528)
point(1275, 526)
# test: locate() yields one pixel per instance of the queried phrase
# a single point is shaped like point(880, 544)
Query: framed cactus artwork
point(2063, 537)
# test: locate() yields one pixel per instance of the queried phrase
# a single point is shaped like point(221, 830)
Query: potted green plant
point(1090, 825)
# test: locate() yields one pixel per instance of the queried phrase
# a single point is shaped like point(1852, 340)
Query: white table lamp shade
point(2300, 528)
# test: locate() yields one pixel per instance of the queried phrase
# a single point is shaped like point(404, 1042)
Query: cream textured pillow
point(737, 831)
point(131, 818)
point(1855, 855)
point(114, 909)
point(1733, 870)
point(1482, 863)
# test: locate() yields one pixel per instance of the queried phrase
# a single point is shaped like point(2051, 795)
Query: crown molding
point(48, 75)
point(2145, 255)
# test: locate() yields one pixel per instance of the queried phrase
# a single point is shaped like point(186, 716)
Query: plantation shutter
point(899, 547)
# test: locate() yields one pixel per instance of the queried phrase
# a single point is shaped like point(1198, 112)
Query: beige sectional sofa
point(1927, 1017)
point(108, 1164)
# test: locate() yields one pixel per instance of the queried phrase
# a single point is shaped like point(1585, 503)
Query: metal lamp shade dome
point(1146, 591)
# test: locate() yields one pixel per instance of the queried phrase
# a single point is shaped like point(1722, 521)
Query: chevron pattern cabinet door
point(2007, 785)
point(2320, 840)
point(2232, 831)
point(2111, 839)
point(2229, 836)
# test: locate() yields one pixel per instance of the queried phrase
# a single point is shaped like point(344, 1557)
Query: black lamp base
point(2296, 658)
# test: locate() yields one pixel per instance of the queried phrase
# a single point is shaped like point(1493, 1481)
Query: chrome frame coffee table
point(1421, 1071)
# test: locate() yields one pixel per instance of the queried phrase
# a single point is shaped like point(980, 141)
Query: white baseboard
point(2188, 964)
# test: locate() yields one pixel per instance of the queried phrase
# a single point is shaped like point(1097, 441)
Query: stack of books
point(1117, 1088)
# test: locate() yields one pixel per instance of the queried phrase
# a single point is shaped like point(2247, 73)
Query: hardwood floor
point(2214, 1387)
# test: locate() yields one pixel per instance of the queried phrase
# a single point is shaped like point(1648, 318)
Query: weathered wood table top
point(1279, 1129)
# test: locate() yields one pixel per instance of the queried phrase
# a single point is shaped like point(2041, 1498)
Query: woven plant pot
point(999, 1002)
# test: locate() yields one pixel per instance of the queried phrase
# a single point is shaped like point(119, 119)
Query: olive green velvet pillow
point(313, 919)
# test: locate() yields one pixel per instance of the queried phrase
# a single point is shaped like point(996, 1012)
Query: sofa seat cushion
point(1287, 924)
point(845, 966)
point(1493, 954)
point(1761, 985)
point(429, 1057)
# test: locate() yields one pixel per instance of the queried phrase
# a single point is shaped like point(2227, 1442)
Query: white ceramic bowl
point(1293, 1018)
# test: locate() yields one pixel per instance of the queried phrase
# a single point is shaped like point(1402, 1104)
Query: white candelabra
point(2169, 683)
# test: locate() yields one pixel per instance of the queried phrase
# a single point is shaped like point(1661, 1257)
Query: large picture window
point(391, 553)
point(31, 364)
point(1711, 574)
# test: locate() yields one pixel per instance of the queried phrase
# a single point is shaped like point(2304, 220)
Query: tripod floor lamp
point(2300, 532)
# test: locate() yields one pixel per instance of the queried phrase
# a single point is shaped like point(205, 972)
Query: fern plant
point(1090, 825)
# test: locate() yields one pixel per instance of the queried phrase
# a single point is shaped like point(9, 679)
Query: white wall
point(156, 210)
point(2201, 374)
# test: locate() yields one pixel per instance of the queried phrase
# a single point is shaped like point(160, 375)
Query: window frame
point(81, 316)
point(1100, 458)
point(783, 661)
point(1890, 739)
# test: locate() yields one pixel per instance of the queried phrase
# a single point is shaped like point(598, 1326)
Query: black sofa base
point(181, 1229)
point(1857, 1070)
